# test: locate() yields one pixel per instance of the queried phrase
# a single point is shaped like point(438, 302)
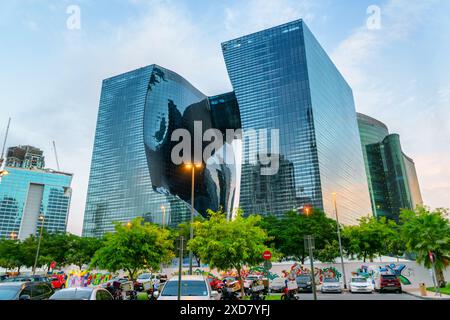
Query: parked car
point(388, 282)
point(249, 280)
point(25, 290)
point(192, 288)
point(146, 277)
point(304, 283)
point(331, 285)
point(277, 285)
point(87, 293)
point(3, 277)
point(361, 284)
point(31, 278)
point(58, 281)
point(216, 284)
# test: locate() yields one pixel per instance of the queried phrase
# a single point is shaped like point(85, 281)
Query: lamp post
point(339, 238)
point(42, 219)
point(163, 216)
point(13, 235)
point(192, 166)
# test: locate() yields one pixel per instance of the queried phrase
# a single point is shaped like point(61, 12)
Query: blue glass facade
point(27, 193)
point(132, 173)
point(391, 175)
point(284, 80)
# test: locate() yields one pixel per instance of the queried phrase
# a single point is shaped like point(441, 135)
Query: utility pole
point(42, 219)
point(340, 241)
point(309, 245)
point(180, 266)
point(435, 280)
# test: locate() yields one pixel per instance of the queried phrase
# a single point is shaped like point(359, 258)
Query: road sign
point(267, 265)
point(267, 255)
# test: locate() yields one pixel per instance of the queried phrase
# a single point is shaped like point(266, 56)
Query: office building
point(391, 175)
point(30, 191)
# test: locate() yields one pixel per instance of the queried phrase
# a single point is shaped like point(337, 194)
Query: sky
point(52, 65)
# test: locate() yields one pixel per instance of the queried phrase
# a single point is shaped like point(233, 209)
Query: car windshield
point(17, 279)
point(252, 278)
point(389, 277)
point(72, 295)
point(145, 276)
point(359, 280)
point(188, 288)
point(330, 280)
point(8, 293)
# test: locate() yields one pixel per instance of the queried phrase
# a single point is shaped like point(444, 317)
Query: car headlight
point(308, 283)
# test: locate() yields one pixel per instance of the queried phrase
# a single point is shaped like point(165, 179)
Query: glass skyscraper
point(284, 80)
point(391, 175)
point(132, 173)
point(26, 193)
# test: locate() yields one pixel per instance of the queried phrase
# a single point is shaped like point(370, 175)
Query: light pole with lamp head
point(163, 208)
point(192, 167)
point(339, 238)
point(42, 219)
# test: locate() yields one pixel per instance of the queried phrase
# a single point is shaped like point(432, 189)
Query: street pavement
point(357, 296)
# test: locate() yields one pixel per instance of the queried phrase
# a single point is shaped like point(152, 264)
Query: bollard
point(423, 289)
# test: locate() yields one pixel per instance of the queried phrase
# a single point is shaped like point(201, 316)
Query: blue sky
point(50, 76)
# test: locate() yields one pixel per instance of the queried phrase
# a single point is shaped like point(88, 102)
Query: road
point(357, 296)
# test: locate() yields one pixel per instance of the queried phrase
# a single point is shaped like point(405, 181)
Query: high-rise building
point(284, 80)
point(391, 175)
point(132, 172)
point(29, 191)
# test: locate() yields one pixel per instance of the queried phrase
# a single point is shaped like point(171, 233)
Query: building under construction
point(26, 157)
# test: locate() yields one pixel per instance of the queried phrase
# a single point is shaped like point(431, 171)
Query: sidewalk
point(430, 295)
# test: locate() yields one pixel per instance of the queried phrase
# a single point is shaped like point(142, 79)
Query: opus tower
point(284, 80)
point(132, 173)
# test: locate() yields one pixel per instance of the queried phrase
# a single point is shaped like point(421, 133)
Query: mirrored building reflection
point(132, 172)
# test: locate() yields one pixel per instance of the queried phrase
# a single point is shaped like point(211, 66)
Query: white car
point(249, 280)
point(192, 288)
point(331, 285)
point(88, 293)
point(277, 285)
point(361, 284)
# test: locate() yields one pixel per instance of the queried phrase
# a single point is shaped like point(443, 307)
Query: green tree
point(427, 231)
point(369, 239)
point(289, 231)
point(81, 250)
point(184, 229)
point(133, 247)
point(232, 244)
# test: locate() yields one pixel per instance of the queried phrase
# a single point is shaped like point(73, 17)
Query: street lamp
point(339, 238)
point(13, 235)
point(192, 167)
point(42, 219)
point(129, 224)
point(163, 215)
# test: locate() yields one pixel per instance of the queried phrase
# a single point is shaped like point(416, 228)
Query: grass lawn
point(142, 296)
point(445, 290)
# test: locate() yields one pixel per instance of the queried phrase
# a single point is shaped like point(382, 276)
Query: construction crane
point(4, 144)
point(56, 156)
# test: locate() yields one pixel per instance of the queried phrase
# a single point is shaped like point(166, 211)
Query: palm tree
point(424, 232)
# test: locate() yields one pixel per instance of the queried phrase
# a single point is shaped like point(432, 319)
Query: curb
point(426, 297)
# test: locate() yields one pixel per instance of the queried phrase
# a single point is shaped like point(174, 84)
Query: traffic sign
point(267, 265)
point(267, 255)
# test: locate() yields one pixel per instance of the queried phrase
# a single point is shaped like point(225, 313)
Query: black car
point(304, 283)
point(3, 277)
point(35, 278)
point(25, 291)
